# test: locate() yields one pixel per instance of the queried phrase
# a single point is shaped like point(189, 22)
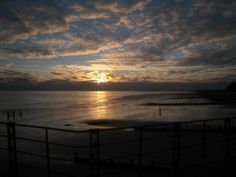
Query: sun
point(101, 78)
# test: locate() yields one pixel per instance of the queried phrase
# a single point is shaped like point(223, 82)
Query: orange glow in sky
point(100, 77)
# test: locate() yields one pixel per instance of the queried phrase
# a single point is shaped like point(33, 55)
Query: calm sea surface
point(83, 109)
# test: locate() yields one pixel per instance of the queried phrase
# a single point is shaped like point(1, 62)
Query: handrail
point(94, 144)
point(118, 128)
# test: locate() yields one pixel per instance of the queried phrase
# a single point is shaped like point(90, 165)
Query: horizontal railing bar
point(204, 120)
point(207, 120)
point(66, 145)
point(31, 154)
point(135, 141)
point(163, 124)
point(187, 130)
point(152, 153)
point(128, 156)
point(186, 122)
point(120, 128)
point(51, 128)
point(51, 143)
point(60, 159)
point(29, 139)
point(43, 156)
point(157, 138)
point(120, 142)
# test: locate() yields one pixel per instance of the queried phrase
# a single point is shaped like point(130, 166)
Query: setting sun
point(100, 77)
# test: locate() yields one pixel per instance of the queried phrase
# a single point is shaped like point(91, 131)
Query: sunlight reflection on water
point(78, 107)
point(100, 100)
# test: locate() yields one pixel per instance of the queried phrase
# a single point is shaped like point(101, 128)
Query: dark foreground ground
point(197, 149)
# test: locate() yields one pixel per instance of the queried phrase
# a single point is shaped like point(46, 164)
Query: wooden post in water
point(11, 114)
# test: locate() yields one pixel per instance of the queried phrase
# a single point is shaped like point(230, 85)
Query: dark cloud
point(21, 20)
point(10, 76)
point(6, 65)
point(218, 58)
point(56, 73)
point(29, 52)
point(121, 86)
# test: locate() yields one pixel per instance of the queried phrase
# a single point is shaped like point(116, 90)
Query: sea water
point(88, 109)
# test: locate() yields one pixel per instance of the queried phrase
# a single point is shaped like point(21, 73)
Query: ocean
point(89, 109)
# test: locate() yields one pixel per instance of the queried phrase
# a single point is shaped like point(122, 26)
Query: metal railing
point(156, 147)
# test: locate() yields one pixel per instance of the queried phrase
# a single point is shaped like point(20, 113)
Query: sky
point(71, 43)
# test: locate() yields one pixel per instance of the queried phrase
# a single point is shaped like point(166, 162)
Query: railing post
point(94, 151)
point(227, 139)
point(204, 143)
point(140, 151)
point(11, 135)
point(176, 146)
point(47, 152)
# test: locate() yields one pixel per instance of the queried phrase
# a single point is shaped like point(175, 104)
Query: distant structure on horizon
point(232, 86)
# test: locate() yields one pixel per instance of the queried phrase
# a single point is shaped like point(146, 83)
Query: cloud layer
point(130, 41)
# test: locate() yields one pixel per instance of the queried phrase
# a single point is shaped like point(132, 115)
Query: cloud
point(131, 39)
point(28, 52)
point(87, 12)
point(23, 20)
point(80, 73)
point(10, 76)
point(214, 52)
point(220, 58)
point(100, 9)
point(7, 65)
point(116, 7)
point(201, 74)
